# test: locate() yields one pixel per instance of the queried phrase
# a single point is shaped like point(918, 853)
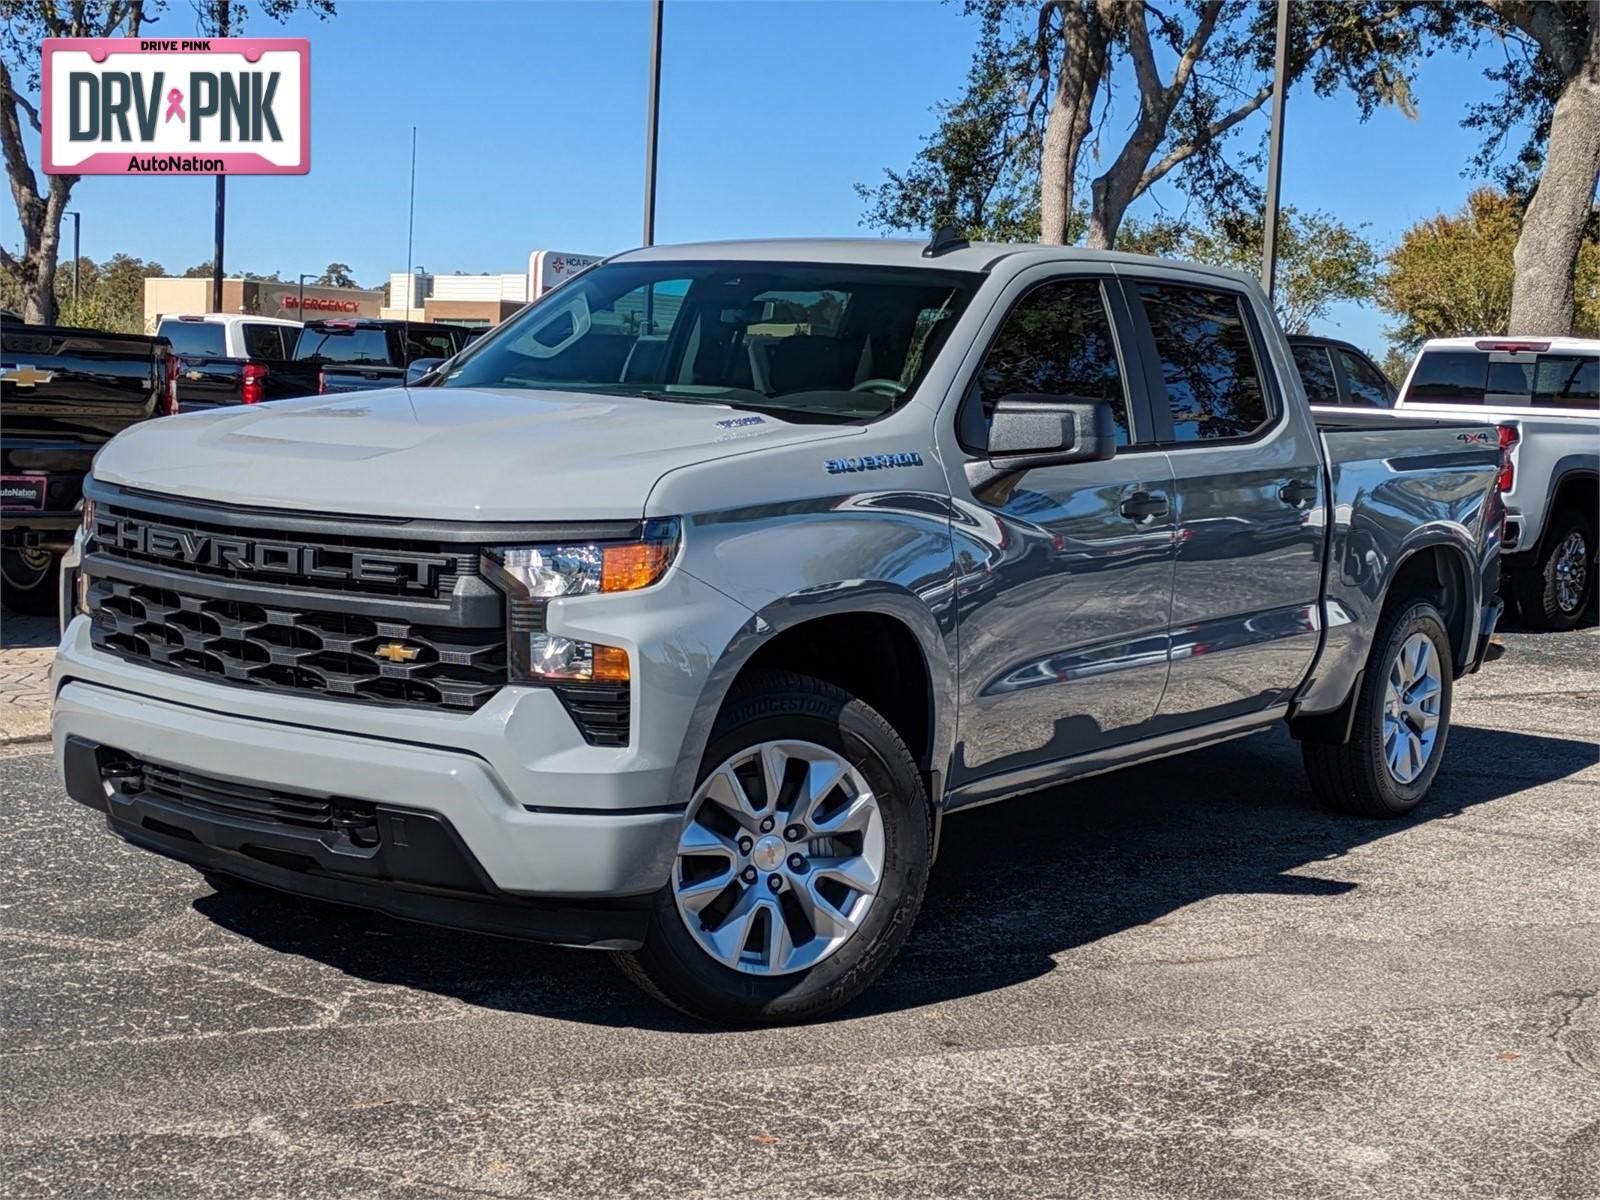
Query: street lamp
point(300, 304)
point(77, 223)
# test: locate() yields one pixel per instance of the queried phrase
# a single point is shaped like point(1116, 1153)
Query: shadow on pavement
point(1016, 883)
point(19, 632)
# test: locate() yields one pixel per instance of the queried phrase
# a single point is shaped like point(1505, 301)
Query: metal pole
point(1280, 93)
point(223, 15)
point(653, 124)
point(300, 304)
point(411, 221)
point(77, 228)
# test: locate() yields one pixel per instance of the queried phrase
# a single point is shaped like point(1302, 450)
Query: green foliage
point(980, 168)
point(337, 275)
point(1451, 274)
point(1321, 260)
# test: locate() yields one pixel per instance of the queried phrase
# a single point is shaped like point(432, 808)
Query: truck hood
point(500, 454)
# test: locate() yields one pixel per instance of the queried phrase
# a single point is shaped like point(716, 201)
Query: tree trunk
point(1066, 125)
point(1546, 257)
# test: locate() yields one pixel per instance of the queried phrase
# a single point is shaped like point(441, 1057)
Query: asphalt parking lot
point(1183, 980)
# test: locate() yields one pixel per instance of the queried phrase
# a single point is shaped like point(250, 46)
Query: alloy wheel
point(1571, 571)
point(780, 858)
point(1411, 708)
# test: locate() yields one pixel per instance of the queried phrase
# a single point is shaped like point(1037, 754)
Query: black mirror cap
point(1029, 430)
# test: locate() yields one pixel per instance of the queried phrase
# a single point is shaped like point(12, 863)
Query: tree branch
point(1207, 135)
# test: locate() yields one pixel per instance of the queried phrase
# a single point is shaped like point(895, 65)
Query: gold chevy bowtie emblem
point(27, 376)
point(397, 652)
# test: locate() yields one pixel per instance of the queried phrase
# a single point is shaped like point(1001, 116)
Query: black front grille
point(287, 649)
point(224, 798)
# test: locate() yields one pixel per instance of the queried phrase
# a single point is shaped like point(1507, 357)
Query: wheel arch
point(879, 642)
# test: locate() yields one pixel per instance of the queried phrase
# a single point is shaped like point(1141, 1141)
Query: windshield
point(799, 340)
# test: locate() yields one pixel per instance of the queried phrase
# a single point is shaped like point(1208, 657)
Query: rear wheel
point(802, 861)
point(1554, 593)
point(28, 581)
point(1401, 722)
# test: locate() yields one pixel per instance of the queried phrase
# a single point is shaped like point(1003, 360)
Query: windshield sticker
point(872, 462)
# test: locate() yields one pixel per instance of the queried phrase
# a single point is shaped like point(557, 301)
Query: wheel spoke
point(821, 779)
point(854, 817)
point(727, 941)
point(724, 789)
point(695, 896)
point(855, 873)
point(697, 839)
point(828, 921)
point(774, 765)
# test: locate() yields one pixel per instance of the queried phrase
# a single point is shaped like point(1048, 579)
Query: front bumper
point(541, 812)
point(413, 865)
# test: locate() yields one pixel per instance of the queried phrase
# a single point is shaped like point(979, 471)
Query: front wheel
point(28, 582)
point(1554, 593)
point(1401, 722)
point(801, 864)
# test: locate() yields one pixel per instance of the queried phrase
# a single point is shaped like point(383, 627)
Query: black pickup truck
point(66, 392)
point(356, 355)
point(225, 360)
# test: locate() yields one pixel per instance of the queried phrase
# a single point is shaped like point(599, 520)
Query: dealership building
point(475, 300)
point(166, 297)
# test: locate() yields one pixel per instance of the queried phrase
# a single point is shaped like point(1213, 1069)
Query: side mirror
point(1029, 430)
point(418, 367)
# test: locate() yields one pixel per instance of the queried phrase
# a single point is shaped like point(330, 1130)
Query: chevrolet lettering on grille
point(197, 548)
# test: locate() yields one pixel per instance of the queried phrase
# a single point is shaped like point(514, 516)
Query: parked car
point(66, 392)
point(356, 355)
point(1337, 374)
point(677, 617)
point(226, 359)
point(1544, 395)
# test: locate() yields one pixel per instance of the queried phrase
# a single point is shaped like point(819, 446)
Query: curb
point(8, 742)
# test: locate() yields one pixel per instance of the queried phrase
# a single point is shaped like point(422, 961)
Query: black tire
point(672, 967)
point(29, 582)
point(1354, 776)
point(1538, 587)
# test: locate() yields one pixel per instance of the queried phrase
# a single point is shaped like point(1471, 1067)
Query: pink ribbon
point(175, 106)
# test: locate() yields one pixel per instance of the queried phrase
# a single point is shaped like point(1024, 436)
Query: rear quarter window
point(266, 341)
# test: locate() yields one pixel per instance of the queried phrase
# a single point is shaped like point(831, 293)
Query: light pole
point(1280, 93)
point(653, 125)
point(77, 228)
point(300, 304)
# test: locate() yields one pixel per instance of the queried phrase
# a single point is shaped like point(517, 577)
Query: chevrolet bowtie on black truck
point(63, 394)
point(680, 614)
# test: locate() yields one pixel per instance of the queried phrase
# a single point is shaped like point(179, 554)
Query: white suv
point(1544, 393)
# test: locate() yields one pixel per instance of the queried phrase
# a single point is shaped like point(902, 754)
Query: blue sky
point(530, 120)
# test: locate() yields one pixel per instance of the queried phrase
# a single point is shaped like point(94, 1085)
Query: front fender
point(884, 553)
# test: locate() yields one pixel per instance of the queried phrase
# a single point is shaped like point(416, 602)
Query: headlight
point(576, 570)
point(532, 575)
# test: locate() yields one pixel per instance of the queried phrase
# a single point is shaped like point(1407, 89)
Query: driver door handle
point(1297, 492)
point(1142, 506)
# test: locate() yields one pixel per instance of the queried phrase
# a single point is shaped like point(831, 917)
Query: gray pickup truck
point(676, 616)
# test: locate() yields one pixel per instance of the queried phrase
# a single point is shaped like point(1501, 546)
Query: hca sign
point(155, 106)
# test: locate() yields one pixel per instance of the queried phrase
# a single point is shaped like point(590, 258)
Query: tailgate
point(77, 384)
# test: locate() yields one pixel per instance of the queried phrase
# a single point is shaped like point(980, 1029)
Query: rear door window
point(1368, 387)
point(1316, 373)
point(265, 341)
point(194, 339)
point(1213, 382)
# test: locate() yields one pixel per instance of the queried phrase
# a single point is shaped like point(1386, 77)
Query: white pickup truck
point(1544, 394)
